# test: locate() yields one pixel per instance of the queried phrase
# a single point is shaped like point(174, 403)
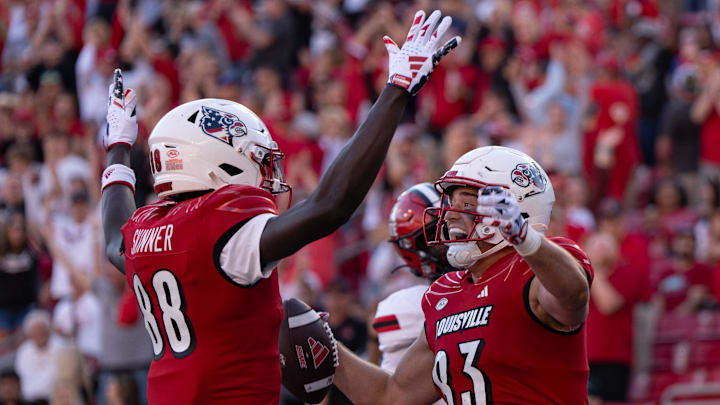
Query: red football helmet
point(407, 229)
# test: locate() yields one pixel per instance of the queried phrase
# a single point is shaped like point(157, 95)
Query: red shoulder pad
point(240, 199)
point(449, 283)
point(574, 249)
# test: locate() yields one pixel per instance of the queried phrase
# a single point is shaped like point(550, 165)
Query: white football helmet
point(492, 166)
point(206, 144)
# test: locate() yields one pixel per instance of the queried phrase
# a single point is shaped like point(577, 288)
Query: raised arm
point(118, 180)
point(346, 182)
point(118, 205)
point(560, 289)
point(560, 293)
point(411, 384)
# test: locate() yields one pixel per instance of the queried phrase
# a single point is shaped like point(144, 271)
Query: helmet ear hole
point(230, 169)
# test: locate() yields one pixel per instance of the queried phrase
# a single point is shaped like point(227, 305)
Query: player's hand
point(412, 65)
point(122, 125)
point(501, 210)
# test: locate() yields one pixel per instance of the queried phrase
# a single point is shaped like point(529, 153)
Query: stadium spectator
point(611, 148)
point(616, 289)
point(122, 389)
point(73, 235)
point(678, 136)
point(19, 276)
point(349, 329)
point(671, 202)
point(78, 313)
point(684, 286)
point(647, 68)
point(10, 393)
point(706, 113)
point(125, 347)
point(93, 70)
point(20, 164)
point(37, 358)
point(60, 168)
point(633, 241)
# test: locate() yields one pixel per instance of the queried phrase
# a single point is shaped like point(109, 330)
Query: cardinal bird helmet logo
point(528, 175)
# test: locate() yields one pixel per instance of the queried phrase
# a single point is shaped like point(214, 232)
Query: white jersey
point(398, 321)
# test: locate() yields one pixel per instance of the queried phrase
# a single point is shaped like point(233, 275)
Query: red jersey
point(491, 349)
point(214, 341)
point(709, 138)
point(610, 337)
point(627, 153)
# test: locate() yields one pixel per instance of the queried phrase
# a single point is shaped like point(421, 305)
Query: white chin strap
point(462, 255)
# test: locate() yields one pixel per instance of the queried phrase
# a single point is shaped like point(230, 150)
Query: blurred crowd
point(618, 100)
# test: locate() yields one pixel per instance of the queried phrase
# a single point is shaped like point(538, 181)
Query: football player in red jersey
point(509, 329)
point(200, 260)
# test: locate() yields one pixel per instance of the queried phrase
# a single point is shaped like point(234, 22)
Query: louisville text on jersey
point(469, 319)
point(152, 240)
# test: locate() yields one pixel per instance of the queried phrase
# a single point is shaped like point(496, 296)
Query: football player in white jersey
point(399, 318)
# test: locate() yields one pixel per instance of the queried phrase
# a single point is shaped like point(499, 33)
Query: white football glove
point(502, 211)
point(411, 65)
point(122, 125)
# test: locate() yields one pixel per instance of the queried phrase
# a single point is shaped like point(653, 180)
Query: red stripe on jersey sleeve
point(386, 328)
point(386, 323)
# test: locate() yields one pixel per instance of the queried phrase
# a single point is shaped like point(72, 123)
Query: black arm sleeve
point(342, 187)
point(118, 205)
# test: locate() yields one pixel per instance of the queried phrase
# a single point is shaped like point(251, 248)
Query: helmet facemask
point(270, 161)
point(463, 251)
point(480, 168)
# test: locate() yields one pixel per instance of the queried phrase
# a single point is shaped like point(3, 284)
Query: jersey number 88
point(171, 299)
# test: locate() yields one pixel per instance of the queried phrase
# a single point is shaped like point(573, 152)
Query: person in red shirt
point(200, 261)
point(684, 286)
point(610, 149)
point(706, 113)
point(509, 328)
point(617, 287)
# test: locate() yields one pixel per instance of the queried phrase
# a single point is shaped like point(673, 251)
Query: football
point(308, 352)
